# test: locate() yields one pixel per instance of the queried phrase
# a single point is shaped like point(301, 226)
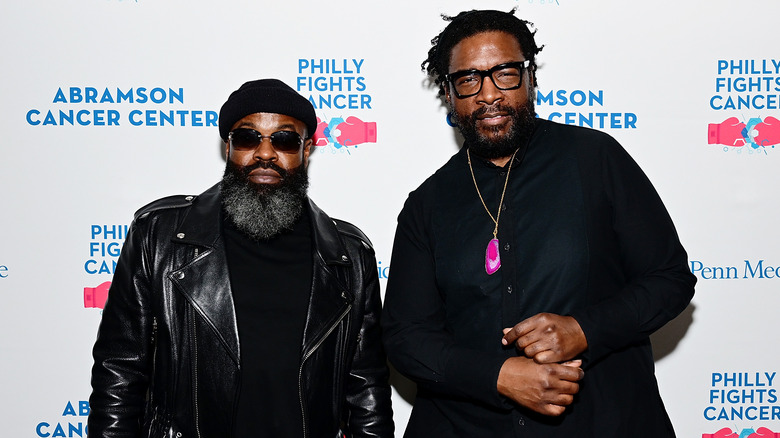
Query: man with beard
point(245, 311)
point(529, 271)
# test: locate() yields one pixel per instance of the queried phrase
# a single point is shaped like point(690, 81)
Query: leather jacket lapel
point(331, 297)
point(204, 278)
point(201, 274)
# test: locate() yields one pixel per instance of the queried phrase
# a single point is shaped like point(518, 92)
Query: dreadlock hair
point(469, 23)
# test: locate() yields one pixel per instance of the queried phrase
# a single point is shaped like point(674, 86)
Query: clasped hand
point(546, 379)
point(547, 338)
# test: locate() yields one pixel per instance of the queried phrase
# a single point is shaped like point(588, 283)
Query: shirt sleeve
point(656, 283)
point(414, 329)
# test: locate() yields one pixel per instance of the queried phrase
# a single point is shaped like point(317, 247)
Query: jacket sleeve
point(368, 405)
point(657, 283)
point(123, 350)
point(414, 320)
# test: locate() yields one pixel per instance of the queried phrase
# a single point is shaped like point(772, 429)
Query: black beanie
point(266, 96)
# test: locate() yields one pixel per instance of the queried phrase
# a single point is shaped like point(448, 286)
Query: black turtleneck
point(271, 284)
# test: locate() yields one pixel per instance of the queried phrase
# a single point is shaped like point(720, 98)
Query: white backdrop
point(691, 89)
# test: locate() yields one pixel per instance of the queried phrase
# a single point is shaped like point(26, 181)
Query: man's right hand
point(544, 388)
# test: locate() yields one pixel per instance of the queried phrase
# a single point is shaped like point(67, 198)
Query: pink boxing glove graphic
point(763, 432)
point(729, 133)
point(354, 131)
point(95, 297)
point(319, 138)
point(723, 433)
point(768, 132)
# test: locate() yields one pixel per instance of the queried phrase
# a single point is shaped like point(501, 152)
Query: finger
point(521, 336)
point(567, 389)
point(512, 334)
point(569, 373)
point(533, 345)
point(544, 356)
point(520, 329)
point(562, 400)
point(552, 410)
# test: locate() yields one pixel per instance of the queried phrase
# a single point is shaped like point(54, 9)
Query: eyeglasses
point(467, 83)
point(245, 139)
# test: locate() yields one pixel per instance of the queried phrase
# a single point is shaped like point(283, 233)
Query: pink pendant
point(492, 258)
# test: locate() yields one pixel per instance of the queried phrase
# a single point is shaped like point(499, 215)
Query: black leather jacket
point(167, 352)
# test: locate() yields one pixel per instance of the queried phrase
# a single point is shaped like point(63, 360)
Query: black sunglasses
point(245, 139)
point(467, 83)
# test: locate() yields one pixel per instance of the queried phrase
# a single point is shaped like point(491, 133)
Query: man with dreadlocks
point(530, 270)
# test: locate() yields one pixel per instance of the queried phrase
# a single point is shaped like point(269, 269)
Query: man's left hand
point(547, 338)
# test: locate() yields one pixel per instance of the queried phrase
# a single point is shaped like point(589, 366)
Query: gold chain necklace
point(492, 256)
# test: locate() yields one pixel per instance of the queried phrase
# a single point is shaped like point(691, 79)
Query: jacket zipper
point(195, 376)
point(303, 361)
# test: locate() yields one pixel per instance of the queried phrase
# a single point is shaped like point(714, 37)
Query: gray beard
point(263, 211)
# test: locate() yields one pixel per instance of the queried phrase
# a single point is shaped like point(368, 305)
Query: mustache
point(246, 170)
point(496, 107)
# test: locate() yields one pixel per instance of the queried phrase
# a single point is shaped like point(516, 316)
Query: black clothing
point(270, 281)
point(583, 233)
point(167, 354)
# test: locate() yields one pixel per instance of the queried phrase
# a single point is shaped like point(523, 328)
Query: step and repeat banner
point(106, 105)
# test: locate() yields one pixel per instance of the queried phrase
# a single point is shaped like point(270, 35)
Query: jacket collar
point(202, 226)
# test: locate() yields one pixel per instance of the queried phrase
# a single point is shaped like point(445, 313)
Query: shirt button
point(509, 289)
point(521, 422)
point(503, 207)
point(502, 173)
point(506, 247)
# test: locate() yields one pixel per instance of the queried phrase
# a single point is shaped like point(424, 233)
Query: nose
point(265, 151)
point(489, 93)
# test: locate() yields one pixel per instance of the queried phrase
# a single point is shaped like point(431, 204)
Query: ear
point(306, 151)
point(447, 97)
point(227, 150)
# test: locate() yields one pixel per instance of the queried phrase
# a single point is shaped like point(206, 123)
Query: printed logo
point(95, 297)
point(93, 106)
point(105, 245)
point(340, 85)
point(749, 270)
point(341, 133)
point(742, 397)
point(73, 422)
point(747, 86)
point(576, 108)
point(756, 133)
point(726, 432)
point(3, 271)
point(104, 248)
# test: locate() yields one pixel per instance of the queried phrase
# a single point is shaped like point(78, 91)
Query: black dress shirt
point(582, 232)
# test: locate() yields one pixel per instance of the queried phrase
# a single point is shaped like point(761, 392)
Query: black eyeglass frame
point(451, 77)
point(259, 137)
